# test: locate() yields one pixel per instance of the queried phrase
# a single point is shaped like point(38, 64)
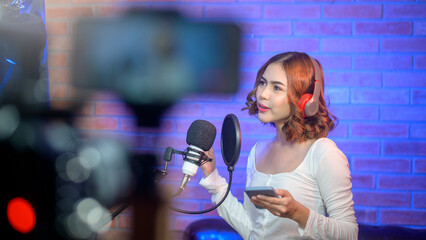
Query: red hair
point(300, 76)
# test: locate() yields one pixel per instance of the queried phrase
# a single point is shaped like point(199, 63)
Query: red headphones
point(309, 103)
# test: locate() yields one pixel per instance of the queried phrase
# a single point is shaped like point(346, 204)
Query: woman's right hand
point(209, 167)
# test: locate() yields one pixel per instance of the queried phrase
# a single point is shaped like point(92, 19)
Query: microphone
point(200, 137)
point(230, 142)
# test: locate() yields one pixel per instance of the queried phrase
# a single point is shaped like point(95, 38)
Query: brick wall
point(374, 56)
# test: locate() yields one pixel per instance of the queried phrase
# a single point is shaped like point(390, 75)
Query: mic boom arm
point(202, 159)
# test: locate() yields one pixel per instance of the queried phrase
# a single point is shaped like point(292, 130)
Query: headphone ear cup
point(303, 101)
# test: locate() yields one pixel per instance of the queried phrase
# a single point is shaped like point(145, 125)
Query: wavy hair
point(301, 80)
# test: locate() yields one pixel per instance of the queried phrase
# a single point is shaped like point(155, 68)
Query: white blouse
point(321, 183)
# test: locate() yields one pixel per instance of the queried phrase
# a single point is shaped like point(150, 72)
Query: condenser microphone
point(200, 137)
point(230, 142)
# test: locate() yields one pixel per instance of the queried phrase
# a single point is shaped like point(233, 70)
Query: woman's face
point(271, 95)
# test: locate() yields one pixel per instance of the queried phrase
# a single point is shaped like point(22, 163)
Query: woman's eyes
point(264, 83)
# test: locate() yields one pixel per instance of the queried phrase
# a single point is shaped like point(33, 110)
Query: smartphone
point(263, 190)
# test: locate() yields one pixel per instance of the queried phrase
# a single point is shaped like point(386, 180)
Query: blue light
point(12, 62)
point(8, 74)
point(217, 235)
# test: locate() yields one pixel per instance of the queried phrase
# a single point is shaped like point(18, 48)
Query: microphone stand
point(115, 214)
point(168, 157)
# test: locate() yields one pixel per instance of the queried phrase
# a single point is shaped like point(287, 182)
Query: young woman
point(310, 174)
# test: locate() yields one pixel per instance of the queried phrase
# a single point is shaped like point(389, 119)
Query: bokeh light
point(78, 170)
point(9, 120)
point(21, 215)
point(60, 136)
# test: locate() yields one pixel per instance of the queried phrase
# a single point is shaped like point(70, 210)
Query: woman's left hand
point(286, 206)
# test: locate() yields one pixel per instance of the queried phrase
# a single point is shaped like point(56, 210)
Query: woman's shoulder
point(327, 158)
point(324, 144)
point(325, 149)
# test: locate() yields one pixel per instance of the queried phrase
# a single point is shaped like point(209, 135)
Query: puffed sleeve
point(333, 176)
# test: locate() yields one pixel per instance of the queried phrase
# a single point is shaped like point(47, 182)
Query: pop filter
point(230, 141)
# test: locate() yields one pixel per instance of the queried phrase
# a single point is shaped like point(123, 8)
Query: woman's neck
point(280, 136)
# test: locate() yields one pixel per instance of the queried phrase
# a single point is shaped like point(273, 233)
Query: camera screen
point(156, 58)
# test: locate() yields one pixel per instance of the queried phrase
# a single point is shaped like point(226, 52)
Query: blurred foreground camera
point(66, 181)
point(152, 59)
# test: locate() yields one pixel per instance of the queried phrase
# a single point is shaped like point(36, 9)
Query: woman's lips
point(262, 108)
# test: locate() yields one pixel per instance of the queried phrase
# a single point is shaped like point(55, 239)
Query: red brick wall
point(374, 57)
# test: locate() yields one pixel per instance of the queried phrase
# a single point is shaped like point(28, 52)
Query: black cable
point(230, 169)
point(118, 211)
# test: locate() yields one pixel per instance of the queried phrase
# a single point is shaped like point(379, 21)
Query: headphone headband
point(310, 103)
point(318, 80)
point(316, 67)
